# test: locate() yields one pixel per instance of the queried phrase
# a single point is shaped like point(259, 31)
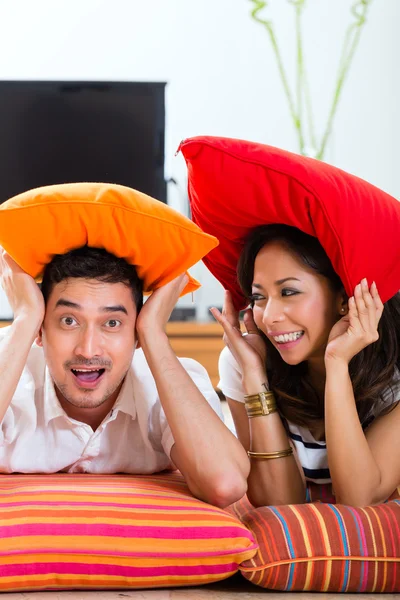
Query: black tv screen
point(63, 132)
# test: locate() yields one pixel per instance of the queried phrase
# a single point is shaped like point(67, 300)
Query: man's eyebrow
point(116, 308)
point(104, 309)
point(279, 282)
point(68, 303)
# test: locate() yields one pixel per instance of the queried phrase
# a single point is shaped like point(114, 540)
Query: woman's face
point(294, 306)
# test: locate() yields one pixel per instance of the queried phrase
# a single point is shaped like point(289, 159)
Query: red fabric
point(236, 185)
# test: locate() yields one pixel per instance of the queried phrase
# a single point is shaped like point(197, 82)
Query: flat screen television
point(65, 131)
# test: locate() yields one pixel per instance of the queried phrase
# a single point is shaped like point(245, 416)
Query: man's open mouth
point(87, 375)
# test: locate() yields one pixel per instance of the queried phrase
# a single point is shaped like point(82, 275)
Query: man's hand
point(158, 308)
point(24, 295)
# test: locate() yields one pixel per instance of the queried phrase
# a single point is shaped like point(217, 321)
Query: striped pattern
point(323, 547)
point(113, 531)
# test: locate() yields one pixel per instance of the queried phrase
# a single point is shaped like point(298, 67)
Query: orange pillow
point(50, 220)
point(106, 532)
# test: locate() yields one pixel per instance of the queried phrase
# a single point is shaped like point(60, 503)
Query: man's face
point(88, 338)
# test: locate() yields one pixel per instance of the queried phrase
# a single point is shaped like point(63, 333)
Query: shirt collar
point(53, 409)
point(51, 405)
point(126, 398)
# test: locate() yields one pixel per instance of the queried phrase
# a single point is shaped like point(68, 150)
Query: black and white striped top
point(312, 454)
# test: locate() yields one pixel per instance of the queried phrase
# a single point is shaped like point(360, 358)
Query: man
point(76, 396)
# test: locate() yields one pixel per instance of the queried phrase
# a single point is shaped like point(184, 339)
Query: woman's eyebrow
point(278, 282)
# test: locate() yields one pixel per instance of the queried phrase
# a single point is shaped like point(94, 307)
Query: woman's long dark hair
point(372, 370)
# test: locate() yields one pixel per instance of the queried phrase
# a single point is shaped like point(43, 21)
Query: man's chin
point(82, 398)
point(85, 402)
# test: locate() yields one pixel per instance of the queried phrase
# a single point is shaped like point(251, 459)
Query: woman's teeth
point(288, 337)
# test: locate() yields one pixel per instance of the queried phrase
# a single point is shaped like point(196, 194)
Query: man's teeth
point(86, 370)
point(288, 337)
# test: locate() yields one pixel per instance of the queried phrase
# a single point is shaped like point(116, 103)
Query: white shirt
point(312, 454)
point(37, 436)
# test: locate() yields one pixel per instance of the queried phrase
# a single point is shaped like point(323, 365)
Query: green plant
point(300, 103)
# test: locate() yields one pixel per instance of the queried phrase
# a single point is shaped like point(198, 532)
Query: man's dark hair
point(92, 263)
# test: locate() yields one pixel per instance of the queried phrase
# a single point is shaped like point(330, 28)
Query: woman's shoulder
point(227, 360)
point(230, 376)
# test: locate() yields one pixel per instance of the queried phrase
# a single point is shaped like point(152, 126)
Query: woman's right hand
point(249, 349)
point(25, 298)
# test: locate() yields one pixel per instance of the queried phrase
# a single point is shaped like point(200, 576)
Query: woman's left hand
point(359, 328)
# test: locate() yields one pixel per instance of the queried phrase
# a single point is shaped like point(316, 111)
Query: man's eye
point(288, 292)
point(68, 321)
point(113, 323)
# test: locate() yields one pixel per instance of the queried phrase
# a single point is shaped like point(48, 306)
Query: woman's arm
point(365, 467)
point(271, 480)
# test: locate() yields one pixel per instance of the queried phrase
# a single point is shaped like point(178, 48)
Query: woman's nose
point(273, 313)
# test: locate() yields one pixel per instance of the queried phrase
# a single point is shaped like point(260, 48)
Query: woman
point(314, 385)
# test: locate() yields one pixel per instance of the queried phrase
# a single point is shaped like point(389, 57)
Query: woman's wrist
point(335, 364)
point(255, 382)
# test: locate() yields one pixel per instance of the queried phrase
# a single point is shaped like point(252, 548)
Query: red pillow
point(236, 185)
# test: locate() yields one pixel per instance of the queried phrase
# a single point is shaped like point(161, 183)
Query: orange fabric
point(81, 531)
point(159, 241)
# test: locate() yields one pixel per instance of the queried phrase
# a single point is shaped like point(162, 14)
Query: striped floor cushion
point(324, 547)
point(114, 531)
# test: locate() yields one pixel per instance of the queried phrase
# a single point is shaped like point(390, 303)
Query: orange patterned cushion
point(323, 547)
point(113, 531)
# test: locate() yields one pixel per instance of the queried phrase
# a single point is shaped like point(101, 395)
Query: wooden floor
point(235, 588)
point(192, 594)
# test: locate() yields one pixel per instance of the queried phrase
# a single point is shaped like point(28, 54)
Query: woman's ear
point(343, 306)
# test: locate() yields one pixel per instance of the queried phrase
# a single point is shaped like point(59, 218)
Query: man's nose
point(89, 343)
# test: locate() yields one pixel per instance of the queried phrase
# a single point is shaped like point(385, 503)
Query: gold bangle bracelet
point(263, 403)
point(257, 397)
point(270, 455)
point(259, 413)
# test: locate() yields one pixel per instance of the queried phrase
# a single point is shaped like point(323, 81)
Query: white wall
point(221, 73)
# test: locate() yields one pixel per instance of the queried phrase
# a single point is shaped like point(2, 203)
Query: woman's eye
point(68, 321)
point(113, 323)
point(256, 298)
point(288, 292)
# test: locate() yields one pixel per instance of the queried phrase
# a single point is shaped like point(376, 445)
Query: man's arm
point(27, 304)
point(212, 460)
